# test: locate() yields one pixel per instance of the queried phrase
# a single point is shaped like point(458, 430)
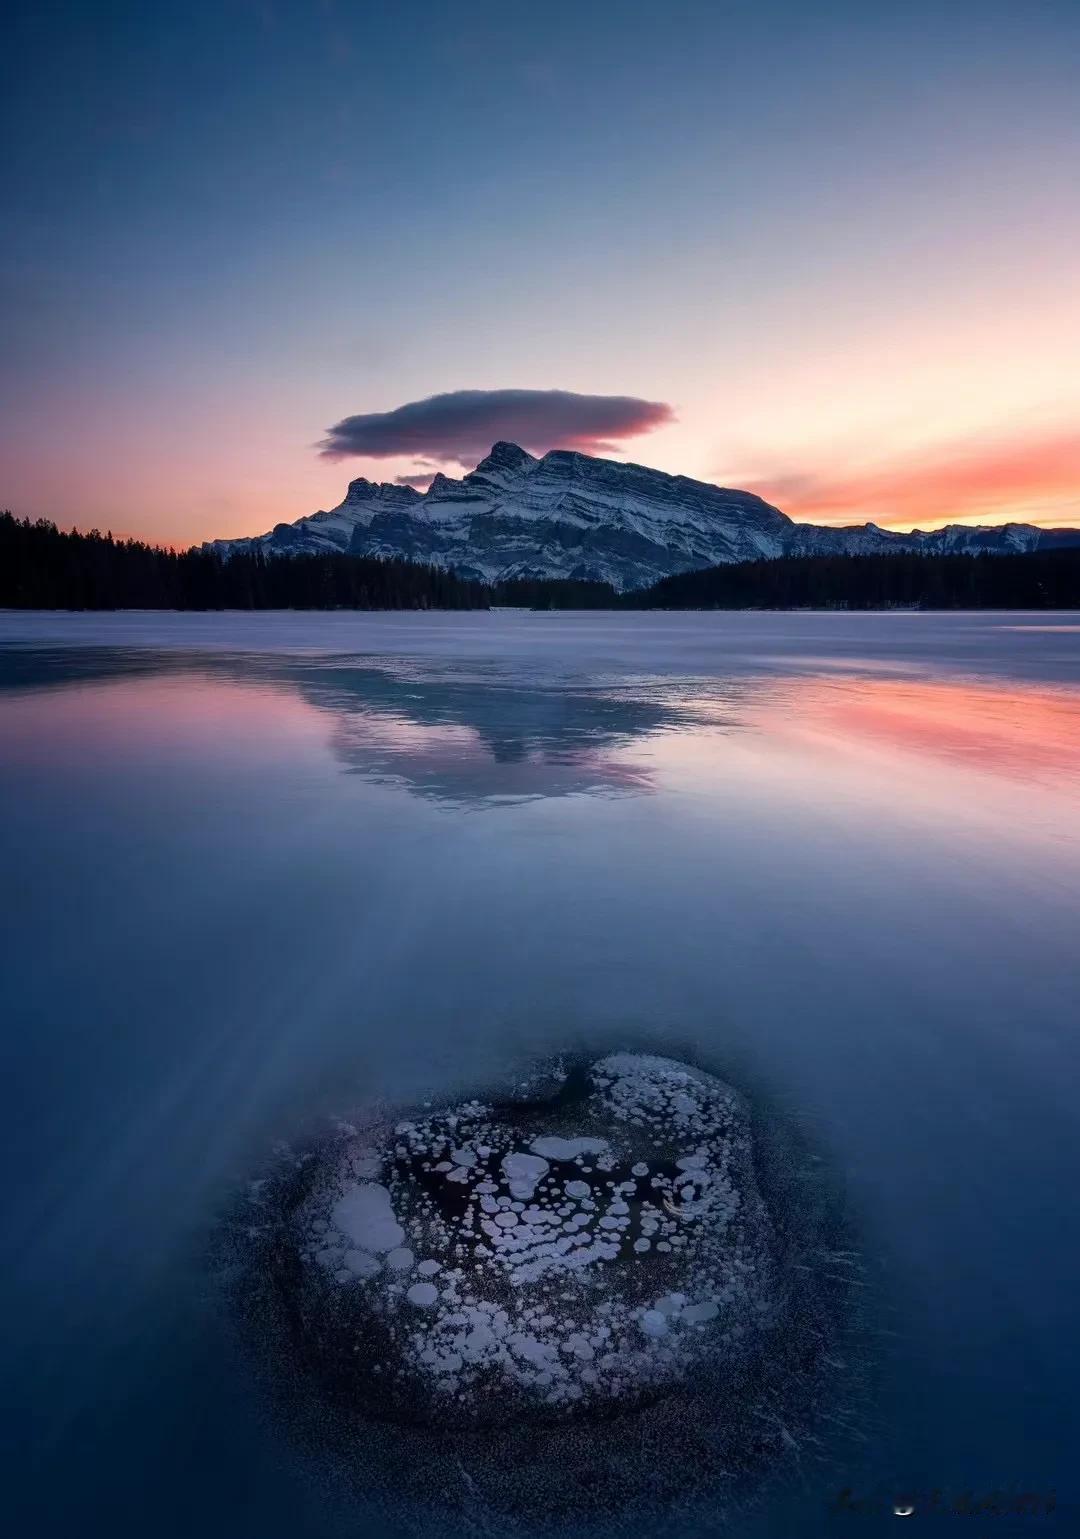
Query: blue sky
point(838, 241)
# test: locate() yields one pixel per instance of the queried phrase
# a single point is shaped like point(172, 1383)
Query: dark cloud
point(462, 425)
point(419, 483)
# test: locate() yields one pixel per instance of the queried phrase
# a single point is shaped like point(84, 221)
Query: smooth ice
point(262, 869)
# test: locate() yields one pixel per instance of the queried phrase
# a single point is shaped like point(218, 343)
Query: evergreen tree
point(41, 568)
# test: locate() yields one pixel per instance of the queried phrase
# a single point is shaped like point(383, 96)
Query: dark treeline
point(1039, 580)
point(555, 593)
point(40, 568)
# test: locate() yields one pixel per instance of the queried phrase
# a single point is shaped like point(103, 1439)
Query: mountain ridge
point(571, 515)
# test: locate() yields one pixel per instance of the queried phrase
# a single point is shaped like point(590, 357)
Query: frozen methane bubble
point(568, 1148)
point(364, 1214)
point(522, 1172)
point(534, 1261)
point(424, 1295)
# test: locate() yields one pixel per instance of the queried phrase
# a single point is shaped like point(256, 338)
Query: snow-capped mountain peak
point(506, 456)
point(574, 515)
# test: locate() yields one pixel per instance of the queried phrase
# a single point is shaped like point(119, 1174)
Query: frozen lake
point(258, 867)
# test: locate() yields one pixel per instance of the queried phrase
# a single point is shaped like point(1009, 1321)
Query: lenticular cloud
point(461, 425)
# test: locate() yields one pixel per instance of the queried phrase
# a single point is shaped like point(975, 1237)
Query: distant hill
point(575, 517)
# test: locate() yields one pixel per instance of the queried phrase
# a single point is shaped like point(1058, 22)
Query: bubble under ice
point(552, 1281)
point(552, 1259)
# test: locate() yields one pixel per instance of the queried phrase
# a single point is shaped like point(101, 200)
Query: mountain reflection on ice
point(487, 736)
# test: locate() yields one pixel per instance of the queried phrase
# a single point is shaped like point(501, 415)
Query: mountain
point(573, 516)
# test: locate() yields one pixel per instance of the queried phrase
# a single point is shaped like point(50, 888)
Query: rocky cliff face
point(571, 515)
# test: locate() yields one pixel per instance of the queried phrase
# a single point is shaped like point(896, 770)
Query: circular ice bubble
point(423, 1294)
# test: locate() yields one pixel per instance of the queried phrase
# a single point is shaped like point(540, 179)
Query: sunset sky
point(828, 252)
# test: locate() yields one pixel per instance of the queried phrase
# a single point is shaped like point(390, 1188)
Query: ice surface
point(544, 647)
point(817, 856)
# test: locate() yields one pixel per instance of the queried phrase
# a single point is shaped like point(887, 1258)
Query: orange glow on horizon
point(991, 478)
point(1035, 480)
